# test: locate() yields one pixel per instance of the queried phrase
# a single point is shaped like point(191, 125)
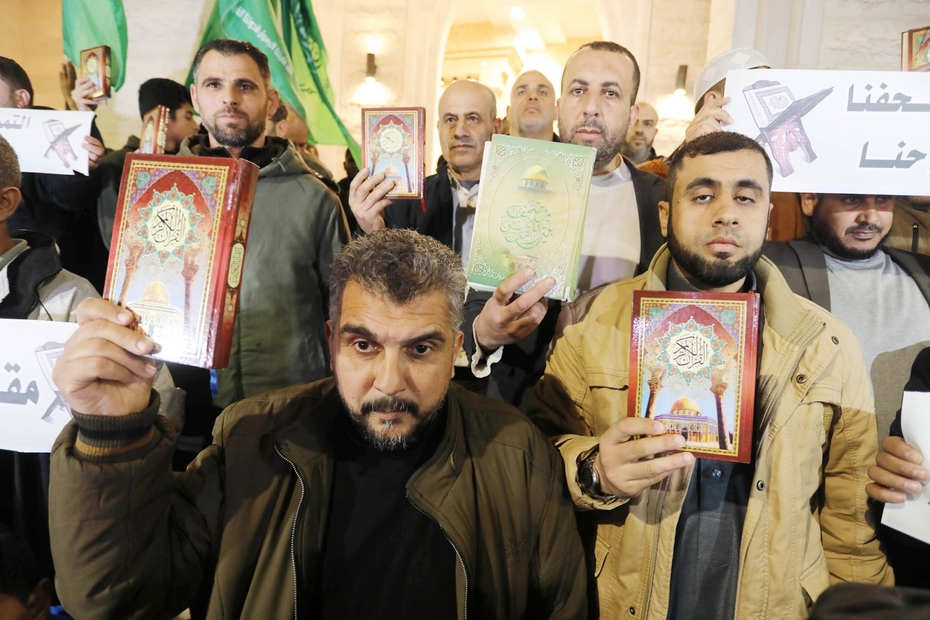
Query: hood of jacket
point(284, 158)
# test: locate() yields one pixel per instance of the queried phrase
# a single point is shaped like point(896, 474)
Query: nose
point(231, 95)
point(391, 372)
point(591, 104)
point(459, 129)
point(868, 210)
point(726, 214)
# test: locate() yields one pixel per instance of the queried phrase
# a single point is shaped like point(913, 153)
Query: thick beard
point(608, 150)
point(717, 273)
point(236, 138)
point(827, 238)
point(387, 443)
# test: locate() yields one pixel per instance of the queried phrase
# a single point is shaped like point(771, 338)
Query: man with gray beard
point(511, 335)
point(384, 492)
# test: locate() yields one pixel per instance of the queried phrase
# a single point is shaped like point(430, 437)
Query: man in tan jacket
point(679, 537)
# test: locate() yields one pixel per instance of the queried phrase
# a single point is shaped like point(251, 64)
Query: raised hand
point(367, 201)
point(710, 118)
point(81, 95)
point(629, 461)
point(507, 318)
point(102, 370)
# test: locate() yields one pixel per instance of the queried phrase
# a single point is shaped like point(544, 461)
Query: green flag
point(286, 31)
point(89, 23)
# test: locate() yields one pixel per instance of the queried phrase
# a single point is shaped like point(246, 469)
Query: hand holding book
point(507, 317)
point(103, 370)
point(634, 455)
point(367, 199)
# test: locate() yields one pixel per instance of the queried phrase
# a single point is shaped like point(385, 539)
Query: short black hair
point(162, 91)
point(19, 569)
point(711, 144)
point(616, 48)
point(233, 47)
point(15, 77)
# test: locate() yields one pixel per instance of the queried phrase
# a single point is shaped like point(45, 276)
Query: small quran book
point(178, 247)
point(392, 143)
point(915, 49)
point(95, 64)
point(154, 131)
point(693, 368)
point(532, 201)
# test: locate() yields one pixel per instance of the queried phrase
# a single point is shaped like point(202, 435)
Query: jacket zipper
point(454, 548)
point(655, 547)
point(294, 525)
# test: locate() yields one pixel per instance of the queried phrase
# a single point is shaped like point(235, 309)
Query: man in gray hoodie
point(297, 227)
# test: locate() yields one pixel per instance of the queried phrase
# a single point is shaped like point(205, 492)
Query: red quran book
point(915, 49)
point(392, 143)
point(154, 131)
point(693, 368)
point(95, 64)
point(177, 250)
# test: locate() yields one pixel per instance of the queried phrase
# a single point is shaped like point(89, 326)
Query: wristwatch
point(588, 480)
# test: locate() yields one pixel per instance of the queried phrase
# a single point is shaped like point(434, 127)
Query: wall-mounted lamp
point(680, 82)
point(370, 69)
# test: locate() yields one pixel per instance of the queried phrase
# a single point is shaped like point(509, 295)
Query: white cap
point(716, 69)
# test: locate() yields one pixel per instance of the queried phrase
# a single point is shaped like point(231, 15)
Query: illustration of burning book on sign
point(57, 137)
point(778, 116)
point(693, 368)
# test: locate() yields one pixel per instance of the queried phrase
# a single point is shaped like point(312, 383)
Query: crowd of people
point(394, 447)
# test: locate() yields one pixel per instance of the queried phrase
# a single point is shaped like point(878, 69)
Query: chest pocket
point(606, 400)
point(820, 405)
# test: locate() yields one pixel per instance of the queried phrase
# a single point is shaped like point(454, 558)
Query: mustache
point(390, 403)
point(594, 124)
point(863, 228)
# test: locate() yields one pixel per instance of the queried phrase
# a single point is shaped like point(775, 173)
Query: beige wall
point(32, 37)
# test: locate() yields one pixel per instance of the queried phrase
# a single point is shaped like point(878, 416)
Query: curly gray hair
point(400, 265)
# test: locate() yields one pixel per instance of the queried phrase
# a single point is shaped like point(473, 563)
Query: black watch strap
point(588, 479)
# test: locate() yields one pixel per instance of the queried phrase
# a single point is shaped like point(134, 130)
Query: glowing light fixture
point(517, 13)
point(370, 69)
point(682, 78)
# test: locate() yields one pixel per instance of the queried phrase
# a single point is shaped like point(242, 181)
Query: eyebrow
point(359, 330)
point(715, 184)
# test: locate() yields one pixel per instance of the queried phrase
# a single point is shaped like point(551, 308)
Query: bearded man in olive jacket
point(383, 492)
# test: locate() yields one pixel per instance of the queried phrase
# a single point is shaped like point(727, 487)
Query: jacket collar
point(27, 272)
point(307, 438)
point(783, 312)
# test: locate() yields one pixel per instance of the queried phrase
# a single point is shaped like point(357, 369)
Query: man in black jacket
point(881, 294)
point(61, 206)
point(467, 117)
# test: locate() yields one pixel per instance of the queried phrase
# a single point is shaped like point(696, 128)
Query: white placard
point(48, 141)
point(913, 516)
point(32, 413)
point(856, 132)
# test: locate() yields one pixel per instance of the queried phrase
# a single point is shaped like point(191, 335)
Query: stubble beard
point(377, 432)
point(235, 137)
point(716, 273)
point(607, 151)
point(827, 238)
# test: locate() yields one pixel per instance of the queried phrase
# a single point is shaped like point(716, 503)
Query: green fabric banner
point(286, 31)
point(89, 23)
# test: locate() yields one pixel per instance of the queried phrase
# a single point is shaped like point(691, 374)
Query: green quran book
point(530, 213)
